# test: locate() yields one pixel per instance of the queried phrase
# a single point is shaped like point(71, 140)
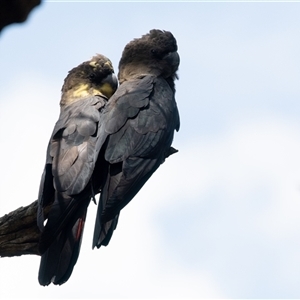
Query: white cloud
point(232, 206)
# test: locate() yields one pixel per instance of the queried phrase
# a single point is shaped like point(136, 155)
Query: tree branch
point(15, 11)
point(19, 233)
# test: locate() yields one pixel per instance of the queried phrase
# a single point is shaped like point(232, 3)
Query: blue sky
point(220, 219)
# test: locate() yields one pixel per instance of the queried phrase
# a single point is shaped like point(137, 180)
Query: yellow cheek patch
point(81, 91)
point(84, 90)
point(107, 90)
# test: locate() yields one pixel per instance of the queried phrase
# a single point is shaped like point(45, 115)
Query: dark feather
point(112, 148)
point(58, 261)
point(136, 144)
point(66, 186)
point(73, 145)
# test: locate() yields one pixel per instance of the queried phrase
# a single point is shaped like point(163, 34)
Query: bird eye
point(92, 76)
point(154, 52)
point(159, 54)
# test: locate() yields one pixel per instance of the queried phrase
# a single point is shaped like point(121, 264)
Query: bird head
point(91, 78)
point(154, 53)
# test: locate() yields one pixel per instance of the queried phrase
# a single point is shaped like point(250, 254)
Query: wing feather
point(136, 132)
point(71, 154)
point(73, 146)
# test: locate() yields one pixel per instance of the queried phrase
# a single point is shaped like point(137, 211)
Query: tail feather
point(64, 212)
point(61, 238)
point(104, 232)
point(58, 261)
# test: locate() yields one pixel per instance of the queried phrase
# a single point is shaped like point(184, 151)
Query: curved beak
point(173, 59)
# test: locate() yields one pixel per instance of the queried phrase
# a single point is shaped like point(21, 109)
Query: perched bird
point(70, 178)
point(105, 142)
point(137, 125)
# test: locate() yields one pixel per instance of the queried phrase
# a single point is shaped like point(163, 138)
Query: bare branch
point(19, 233)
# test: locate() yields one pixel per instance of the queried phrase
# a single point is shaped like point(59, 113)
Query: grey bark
point(19, 233)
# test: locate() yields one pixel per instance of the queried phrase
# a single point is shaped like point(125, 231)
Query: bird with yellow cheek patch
point(71, 176)
point(94, 77)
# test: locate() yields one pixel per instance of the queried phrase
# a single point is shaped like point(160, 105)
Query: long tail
point(123, 182)
point(61, 239)
point(58, 261)
point(104, 231)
